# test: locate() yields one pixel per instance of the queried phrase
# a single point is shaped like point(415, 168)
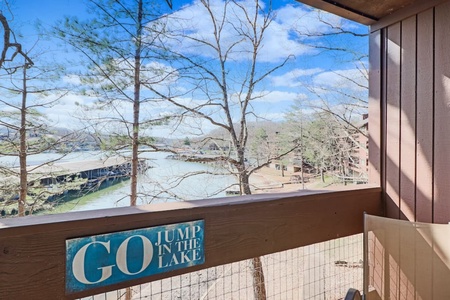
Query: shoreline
point(267, 180)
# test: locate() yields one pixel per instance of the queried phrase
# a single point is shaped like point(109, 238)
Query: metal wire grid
point(331, 267)
point(320, 271)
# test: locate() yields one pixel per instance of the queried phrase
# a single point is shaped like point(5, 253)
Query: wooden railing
point(32, 249)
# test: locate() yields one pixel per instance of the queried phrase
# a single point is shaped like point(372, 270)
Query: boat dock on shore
point(89, 169)
point(60, 181)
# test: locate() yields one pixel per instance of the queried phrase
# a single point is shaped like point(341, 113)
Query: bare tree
point(10, 48)
point(223, 87)
point(338, 99)
point(225, 72)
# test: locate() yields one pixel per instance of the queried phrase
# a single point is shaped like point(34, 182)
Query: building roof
point(68, 168)
point(367, 12)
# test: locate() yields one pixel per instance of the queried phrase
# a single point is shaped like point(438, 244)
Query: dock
point(62, 181)
point(89, 169)
point(79, 166)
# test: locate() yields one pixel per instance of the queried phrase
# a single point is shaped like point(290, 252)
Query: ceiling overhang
point(367, 12)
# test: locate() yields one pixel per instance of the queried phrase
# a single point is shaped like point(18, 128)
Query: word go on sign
point(111, 258)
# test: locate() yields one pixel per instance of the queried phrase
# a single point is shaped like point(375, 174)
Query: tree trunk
point(244, 182)
point(23, 147)
point(259, 286)
point(128, 293)
point(136, 107)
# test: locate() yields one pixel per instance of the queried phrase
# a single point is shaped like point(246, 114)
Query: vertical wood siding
point(424, 139)
point(393, 92)
point(441, 174)
point(412, 144)
point(425, 112)
point(410, 98)
point(407, 119)
point(375, 144)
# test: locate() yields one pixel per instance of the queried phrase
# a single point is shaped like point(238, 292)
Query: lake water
point(163, 174)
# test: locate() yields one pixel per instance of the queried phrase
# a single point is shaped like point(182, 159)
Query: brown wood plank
point(384, 105)
point(425, 85)
point(414, 9)
point(378, 14)
point(408, 120)
point(442, 115)
point(375, 120)
point(332, 8)
point(32, 257)
point(424, 176)
point(393, 63)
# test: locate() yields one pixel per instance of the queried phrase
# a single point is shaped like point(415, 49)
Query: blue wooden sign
point(111, 258)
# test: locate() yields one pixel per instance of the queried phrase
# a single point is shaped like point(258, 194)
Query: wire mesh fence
point(319, 271)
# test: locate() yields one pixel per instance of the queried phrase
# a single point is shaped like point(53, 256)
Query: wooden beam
point(342, 11)
point(405, 13)
point(32, 249)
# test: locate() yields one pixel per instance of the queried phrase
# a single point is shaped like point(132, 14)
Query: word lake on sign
point(112, 258)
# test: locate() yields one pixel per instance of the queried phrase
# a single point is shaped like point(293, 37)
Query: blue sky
point(312, 67)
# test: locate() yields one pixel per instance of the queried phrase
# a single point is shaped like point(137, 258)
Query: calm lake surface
point(163, 174)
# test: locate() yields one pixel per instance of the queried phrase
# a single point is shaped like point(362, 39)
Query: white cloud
point(352, 79)
point(67, 110)
point(159, 73)
point(188, 126)
point(278, 96)
point(280, 40)
point(293, 77)
point(156, 74)
point(308, 21)
point(72, 79)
